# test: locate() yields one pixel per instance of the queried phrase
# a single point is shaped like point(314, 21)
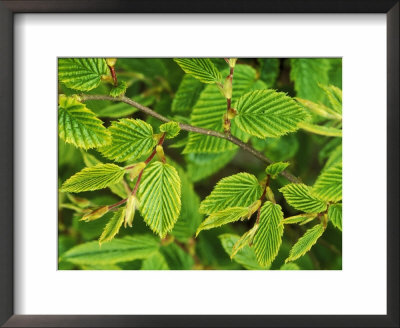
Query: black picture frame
point(7, 197)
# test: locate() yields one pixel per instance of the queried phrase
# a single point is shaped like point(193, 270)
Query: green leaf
point(82, 74)
point(187, 94)
point(299, 196)
point(118, 250)
point(244, 240)
point(113, 226)
point(118, 188)
point(200, 68)
point(210, 108)
point(79, 126)
point(329, 184)
point(321, 129)
point(275, 169)
point(239, 190)
point(267, 113)
point(269, 70)
point(335, 158)
point(268, 237)
point(171, 129)
point(290, 266)
point(305, 243)
point(307, 73)
point(93, 178)
point(155, 262)
point(160, 197)
point(130, 140)
point(278, 149)
point(334, 95)
point(119, 90)
point(300, 218)
point(335, 215)
point(222, 217)
point(245, 256)
point(202, 165)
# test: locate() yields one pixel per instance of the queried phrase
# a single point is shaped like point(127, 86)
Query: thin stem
point(191, 128)
point(113, 74)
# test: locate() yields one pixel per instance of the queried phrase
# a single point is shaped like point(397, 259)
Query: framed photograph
point(206, 165)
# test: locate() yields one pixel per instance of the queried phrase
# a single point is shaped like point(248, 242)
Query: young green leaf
point(305, 243)
point(130, 140)
point(300, 218)
point(187, 94)
point(321, 129)
point(319, 109)
point(118, 188)
point(112, 227)
point(239, 190)
point(268, 237)
point(222, 217)
point(155, 262)
point(268, 113)
point(82, 74)
point(200, 68)
point(171, 129)
point(119, 90)
point(276, 168)
point(79, 126)
point(335, 215)
point(245, 256)
point(334, 96)
point(117, 250)
point(160, 197)
point(244, 240)
point(93, 178)
point(210, 108)
point(299, 196)
point(306, 74)
point(329, 184)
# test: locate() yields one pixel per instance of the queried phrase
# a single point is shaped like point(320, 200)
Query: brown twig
point(190, 128)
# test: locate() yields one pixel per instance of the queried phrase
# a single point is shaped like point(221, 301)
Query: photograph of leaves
point(200, 163)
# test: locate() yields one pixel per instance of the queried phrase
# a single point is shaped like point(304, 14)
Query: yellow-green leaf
point(200, 68)
point(305, 243)
point(335, 215)
point(93, 178)
point(113, 226)
point(329, 184)
point(268, 113)
point(239, 190)
point(268, 237)
point(82, 74)
point(130, 140)
point(222, 217)
point(299, 196)
point(160, 197)
point(79, 126)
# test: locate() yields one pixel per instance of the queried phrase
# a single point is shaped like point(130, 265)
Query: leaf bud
point(96, 214)
point(130, 210)
point(111, 61)
point(136, 169)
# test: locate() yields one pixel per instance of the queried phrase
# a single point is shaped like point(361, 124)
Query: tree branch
point(190, 128)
